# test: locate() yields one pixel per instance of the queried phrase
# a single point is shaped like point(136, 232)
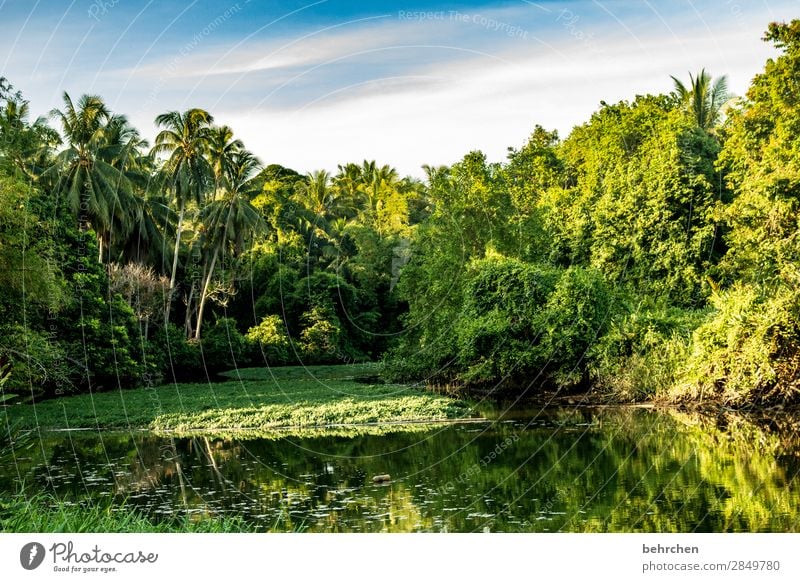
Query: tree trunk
point(204, 293)
point(171, 295)
point(190, 310)
point(187, 322)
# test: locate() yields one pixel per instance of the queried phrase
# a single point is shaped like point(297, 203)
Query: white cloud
point(487, 104)
point(408, 92)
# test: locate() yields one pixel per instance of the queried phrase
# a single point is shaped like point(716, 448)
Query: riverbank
point(43, 513)
point(708, 405)
point(250, 399)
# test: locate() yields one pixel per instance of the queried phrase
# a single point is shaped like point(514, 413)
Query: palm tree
point(703, 98)
point(231, 221)
point(221, 147)
point(153, 223)
point(317, 202)
point(25, 146)
point(316, 195)
point(96, 190)
point(350, 185)
point(122, 149)
point(188, 174)
point(378, 182)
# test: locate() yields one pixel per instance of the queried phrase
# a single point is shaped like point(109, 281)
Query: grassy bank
point(46, 514)
point(257, 399)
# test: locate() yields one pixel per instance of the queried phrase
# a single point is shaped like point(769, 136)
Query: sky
point(314, 84)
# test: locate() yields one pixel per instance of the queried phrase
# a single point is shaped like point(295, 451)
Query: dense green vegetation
point(652, 253)
point(288, 398)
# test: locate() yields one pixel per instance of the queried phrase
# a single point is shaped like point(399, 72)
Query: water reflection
point(559, 470)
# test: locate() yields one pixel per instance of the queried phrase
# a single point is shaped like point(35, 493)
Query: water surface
point(581, 470)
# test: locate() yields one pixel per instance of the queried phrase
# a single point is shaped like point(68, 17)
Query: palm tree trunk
point(190, 309)
point(204, 294)
point(187, 322)
point(171, 296)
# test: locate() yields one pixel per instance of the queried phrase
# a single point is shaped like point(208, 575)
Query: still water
point(593, 470)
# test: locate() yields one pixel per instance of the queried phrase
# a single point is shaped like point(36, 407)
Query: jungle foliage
point(653, 252)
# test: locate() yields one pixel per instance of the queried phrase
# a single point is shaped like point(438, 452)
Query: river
point(551, 470)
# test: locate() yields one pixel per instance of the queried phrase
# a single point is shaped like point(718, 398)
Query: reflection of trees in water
point(602, 470)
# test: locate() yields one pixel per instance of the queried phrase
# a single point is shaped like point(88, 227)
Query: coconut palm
point(123, 149)
point(378, 182)
point(704, 97)
point(350, 185)
point(230, 220)
point(153, 222)
point(316, 195)
point(96, 190)
point(221, 147)
point(25, 147)
point(316, 203)
point(187, 172)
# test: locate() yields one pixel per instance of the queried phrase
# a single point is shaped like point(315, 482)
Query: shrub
point(178, 359)
point(36, 364)
point(520, 323)
point(106, 337)
point(271, 339)
point(497, 337)
point(577, 314)
point(223, 347)
point(747, 350)
point(643, 352)
point(319, 340)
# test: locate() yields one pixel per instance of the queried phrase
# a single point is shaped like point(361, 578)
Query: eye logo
point(31, 555)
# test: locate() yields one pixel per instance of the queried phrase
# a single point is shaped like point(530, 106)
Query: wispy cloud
point(486, 102)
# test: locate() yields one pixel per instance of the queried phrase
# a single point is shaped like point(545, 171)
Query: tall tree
point(221, 147)
point(24, 146)
point(122, 149)
point(188, 174)
point(749, 348)
point(317, 196)
point(97, 191)
point(230, 220)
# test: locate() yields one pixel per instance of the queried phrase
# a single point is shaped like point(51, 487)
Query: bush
point(497, 337)
point(520, 323)
point(271, 340)
point(36, 365)
point(643, 352)
point(747, 350)
point(577, 314)
point(319, 340)
point(223, 347)
point(178, 359)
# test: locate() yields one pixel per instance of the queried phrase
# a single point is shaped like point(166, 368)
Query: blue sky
point(314, 84)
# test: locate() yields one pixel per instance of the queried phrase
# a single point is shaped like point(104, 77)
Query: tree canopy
point(652, 252)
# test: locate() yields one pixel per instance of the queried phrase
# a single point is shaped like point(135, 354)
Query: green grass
point(262, 399)
point(43, 513)
point(284, 373)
